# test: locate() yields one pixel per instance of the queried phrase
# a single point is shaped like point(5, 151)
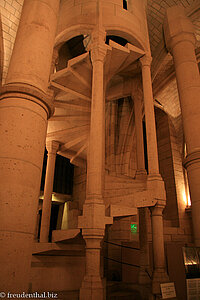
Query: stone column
point(112, 134)
point(152, 150)
point(155, 184)
point(180, 41)
point(52, 148)
point(93, 220)
point(25, 106)
point(159, 272)
point(141, 172)
point(143, 277)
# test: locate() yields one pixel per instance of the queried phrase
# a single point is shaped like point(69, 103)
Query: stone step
point(70, 248)
point(62, 235)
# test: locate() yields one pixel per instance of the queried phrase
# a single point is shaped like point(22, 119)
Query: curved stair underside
point(70, 123)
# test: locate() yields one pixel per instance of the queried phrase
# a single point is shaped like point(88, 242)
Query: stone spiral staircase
point(70, 126)
point(72, 85)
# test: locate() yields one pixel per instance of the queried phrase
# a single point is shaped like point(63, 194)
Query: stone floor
point(115, 291)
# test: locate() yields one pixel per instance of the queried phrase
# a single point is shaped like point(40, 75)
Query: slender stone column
point(96, 149)
point(52, 148)
point(155, 184)
point(139, 138)
point(159, 272)
point(112, 136)
point(180, 41)
point(143, 277)
point(141, 173)
point(92, 285)
point(152, 150)
point(93, 220)
point(25, 106)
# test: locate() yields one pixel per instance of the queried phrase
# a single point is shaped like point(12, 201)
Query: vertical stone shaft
point(152, 151)
point(180, 40)
point(52, 148)
point(93, 257)
point(139, 136)
point(112, 136)
point(155, 183)
point(93, 220)
point(92, 286)
point(157, 238)
point(159, 272)
point(24, 109)
point(96, 151)
point(144, 247)
point(140, 174)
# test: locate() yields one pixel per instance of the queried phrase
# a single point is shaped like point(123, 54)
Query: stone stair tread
point(56, 248)
point(62, 235)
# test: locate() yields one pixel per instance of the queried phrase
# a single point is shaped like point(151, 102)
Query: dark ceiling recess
point(70, 49)
point(119, 40)
point(76, 46)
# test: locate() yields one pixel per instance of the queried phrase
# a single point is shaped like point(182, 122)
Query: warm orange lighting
point(186, 197)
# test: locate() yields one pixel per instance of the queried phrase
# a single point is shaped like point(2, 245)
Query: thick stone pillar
point(24, 109)
point(180, 41)
point(155, 184)
point(52, 148)
point(93, 220)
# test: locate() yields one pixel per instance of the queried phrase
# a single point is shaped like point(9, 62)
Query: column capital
point(177, 27)
point(93, 237)
point(98, 48)
point(98, 52)
point(52, 147)
point(146, 60)
point(157, 210)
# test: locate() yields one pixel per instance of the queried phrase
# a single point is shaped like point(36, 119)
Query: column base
point(93, 288)
point(141, 174)
point(159, 276)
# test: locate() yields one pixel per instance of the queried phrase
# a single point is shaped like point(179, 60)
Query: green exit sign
point(134, 228)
